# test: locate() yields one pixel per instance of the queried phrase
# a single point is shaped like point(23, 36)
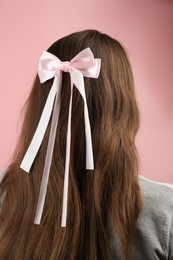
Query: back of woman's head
point(111, 96)
point(101, 201)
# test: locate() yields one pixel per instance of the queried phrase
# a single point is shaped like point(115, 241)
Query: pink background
point(144, 27)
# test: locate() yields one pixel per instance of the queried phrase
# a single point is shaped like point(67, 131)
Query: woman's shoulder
point(155, 225)
point(157, 201)
point(155, 183)
point(159, 193)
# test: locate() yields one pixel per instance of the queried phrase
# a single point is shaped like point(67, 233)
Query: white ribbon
point(82, 65)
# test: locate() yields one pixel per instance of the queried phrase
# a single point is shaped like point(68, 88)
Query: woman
point(112, 213)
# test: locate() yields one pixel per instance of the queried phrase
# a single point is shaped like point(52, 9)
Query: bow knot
point(65, 66)
point(50, 66)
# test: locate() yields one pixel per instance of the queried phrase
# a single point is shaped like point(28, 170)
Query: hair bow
point(82, 65)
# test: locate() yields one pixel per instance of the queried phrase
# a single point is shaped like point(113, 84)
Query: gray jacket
point(154, 234)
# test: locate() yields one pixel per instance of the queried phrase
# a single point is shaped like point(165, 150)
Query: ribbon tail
point(89, 147)
point(67, 163)
point(78, 81)
point(41, 129)
point(49, 153)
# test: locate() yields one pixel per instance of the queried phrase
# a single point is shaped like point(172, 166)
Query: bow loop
point(50, 66)
point(83, 60)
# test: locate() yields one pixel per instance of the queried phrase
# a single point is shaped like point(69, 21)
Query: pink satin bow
point(82, 65)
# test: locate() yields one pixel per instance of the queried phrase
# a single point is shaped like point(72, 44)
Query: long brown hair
point(100, 202)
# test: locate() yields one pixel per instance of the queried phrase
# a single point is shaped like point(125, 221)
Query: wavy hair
point(100, 202)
